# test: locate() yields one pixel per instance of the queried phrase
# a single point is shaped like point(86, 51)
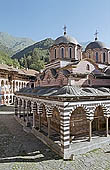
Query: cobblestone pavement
point(22, 151)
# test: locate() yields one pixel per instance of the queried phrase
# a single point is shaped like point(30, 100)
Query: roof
point(65, 91)
point(28, 72)
point(6, 67)
point(65, 39)
point(95, 44)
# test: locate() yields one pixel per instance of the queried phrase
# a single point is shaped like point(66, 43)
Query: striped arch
point(103, 107)
point(49, 111)
point(55, 119)
point(35, 107)
point(24, 103)
point(29, 106)
point(20, 102)
point(41, 106)
point(16, 101)
point(79, 121)
point(43, 114)
point(85, 108)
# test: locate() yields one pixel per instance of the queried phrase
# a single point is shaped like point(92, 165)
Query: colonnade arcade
point(67, 120)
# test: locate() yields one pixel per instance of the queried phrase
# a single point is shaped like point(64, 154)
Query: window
point(89, 55)
point(62, 52)
point(96, 56)
point(55, 53)
point(70, 52)
point(88, 67)
point(103, 57)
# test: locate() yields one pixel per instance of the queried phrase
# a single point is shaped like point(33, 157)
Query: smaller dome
point(95, 44)
point(66, 39)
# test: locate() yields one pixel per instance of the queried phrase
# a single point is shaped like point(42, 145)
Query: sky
point(39, 19)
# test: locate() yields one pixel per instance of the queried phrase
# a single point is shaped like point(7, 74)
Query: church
point(70, 100)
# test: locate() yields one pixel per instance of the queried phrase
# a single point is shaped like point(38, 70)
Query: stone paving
point(22, 151)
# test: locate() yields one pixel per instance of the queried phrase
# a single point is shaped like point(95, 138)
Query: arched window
point(70, 52)
point(88, 67)
point(96, 56)
point(103, 57)
point(62, 52)
point(2, 83)
point(55, 52)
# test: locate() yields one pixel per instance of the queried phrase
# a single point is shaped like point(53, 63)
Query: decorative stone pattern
point(71, 120)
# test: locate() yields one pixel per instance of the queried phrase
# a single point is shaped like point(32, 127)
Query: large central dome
point(66, 39)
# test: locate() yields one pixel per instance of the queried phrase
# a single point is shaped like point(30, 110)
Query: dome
point(66, 39)
point(95, 44)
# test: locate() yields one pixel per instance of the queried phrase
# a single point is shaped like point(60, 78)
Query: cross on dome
point(96, 33)
point(64, 29)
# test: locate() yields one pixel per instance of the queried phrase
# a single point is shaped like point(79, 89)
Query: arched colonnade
point(80, 120)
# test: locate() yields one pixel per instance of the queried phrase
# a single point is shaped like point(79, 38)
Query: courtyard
point(20, 150)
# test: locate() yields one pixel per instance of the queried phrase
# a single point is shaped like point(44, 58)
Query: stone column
point(48, 120)
point(24, 107)
point(90, 130)
point(107, 134)
point(33, 119)
point(39, 122)
point(27, 115)
point(19, 109)
point(16, 108)
point(65, 133)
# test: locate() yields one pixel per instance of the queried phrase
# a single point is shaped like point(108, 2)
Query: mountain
point(41, 45)
point(6, 50)
point(35, 56)
point(14, 44)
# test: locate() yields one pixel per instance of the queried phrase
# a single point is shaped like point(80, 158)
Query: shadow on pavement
point(19, 146)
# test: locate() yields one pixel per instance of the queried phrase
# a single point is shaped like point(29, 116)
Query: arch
point(6, 82)
point(97, 57)
point(22, 84)
point(24, 104)
point(99, 122)
point(27, 85)
point(55, 52)
point(42, 112)
point(70, 52)
point(20, 102)
point(104, 57)
point(13, 86)
point(78, 122)
point(29, 107)
point(10, 101)
point(62, 52)
point(7, 99)
point(16, 101)
point(19, 85)
point(16, 84)
point(2, 83)
point(35, 109)
point(55, 119)
point(85, 109)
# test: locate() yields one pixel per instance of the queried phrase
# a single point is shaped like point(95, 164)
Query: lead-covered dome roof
point(95, 44)
point(65, 39)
